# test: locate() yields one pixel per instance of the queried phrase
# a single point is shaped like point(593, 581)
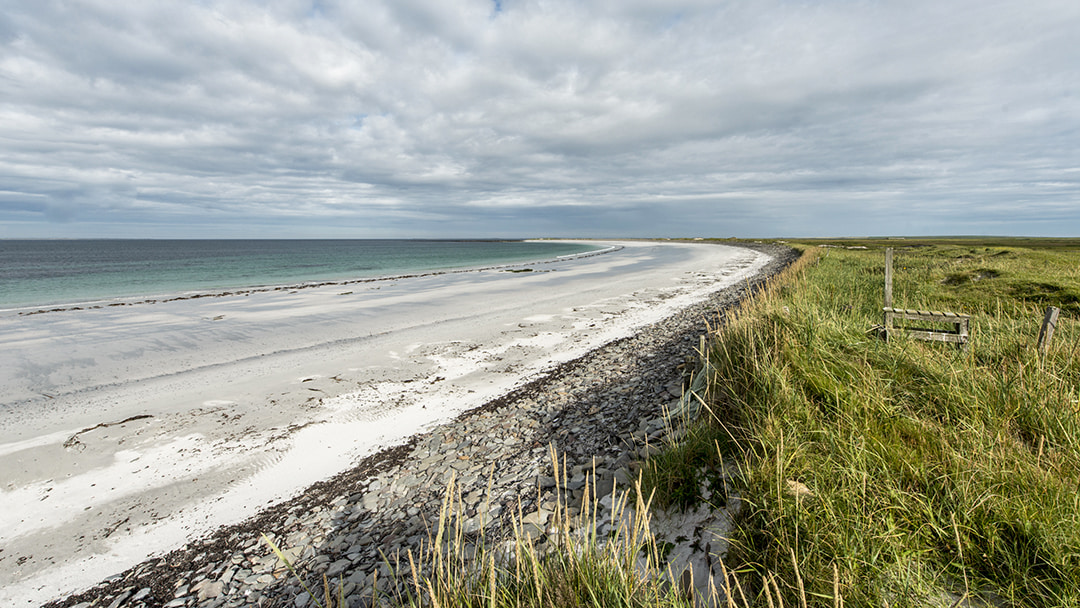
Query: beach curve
point(464, 360)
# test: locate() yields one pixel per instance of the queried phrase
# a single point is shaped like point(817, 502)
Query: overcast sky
point(470, 118)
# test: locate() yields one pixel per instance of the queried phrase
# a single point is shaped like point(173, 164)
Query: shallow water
point(50, 272)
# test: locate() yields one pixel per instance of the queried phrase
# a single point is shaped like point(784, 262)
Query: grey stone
point(210, 590)
point(338, 567)
point(573, 486)
point(119, 599)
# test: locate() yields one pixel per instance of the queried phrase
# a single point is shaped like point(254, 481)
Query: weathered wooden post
point(1047, 330)
point(888, 277)
point(960, 322)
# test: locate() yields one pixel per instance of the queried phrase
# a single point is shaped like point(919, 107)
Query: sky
point(507, 118)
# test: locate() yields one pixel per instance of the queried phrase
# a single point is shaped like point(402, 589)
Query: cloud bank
point(468, 118)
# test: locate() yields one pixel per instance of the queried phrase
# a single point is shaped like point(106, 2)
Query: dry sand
point(126, 431)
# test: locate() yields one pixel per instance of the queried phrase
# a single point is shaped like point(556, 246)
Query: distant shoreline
point(120, 301)
point(17, 261)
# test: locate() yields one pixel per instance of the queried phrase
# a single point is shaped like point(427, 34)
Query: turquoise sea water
point(53, 272)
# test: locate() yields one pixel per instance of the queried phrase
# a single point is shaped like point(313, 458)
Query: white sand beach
point(127, 430)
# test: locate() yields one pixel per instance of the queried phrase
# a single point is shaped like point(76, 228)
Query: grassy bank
point(905, 473)
point(899, 473)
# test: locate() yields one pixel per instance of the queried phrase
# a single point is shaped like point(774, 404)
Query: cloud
point(474, 118)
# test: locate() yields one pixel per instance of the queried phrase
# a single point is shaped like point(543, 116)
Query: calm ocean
point(52, 272)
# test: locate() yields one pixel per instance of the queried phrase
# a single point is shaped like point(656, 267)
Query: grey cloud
point(421, 117)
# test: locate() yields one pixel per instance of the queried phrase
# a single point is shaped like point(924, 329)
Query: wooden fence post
point(888, 277)
point(1047, 330)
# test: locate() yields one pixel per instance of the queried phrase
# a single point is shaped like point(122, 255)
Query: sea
point(58, 272)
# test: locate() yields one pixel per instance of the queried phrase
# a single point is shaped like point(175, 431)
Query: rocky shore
point(602, 412)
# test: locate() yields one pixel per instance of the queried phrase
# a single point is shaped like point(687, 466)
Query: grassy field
point(900, 473)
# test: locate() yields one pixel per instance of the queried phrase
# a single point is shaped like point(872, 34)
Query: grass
point(578, 567)
point(906, 473)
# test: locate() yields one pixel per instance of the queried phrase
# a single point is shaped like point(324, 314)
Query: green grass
point(914, 473)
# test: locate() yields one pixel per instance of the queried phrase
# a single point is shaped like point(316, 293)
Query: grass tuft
point(575, 560)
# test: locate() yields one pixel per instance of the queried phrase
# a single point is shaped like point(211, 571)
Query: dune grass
point(900, 473)
point(583, 556)
point(575, 565)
